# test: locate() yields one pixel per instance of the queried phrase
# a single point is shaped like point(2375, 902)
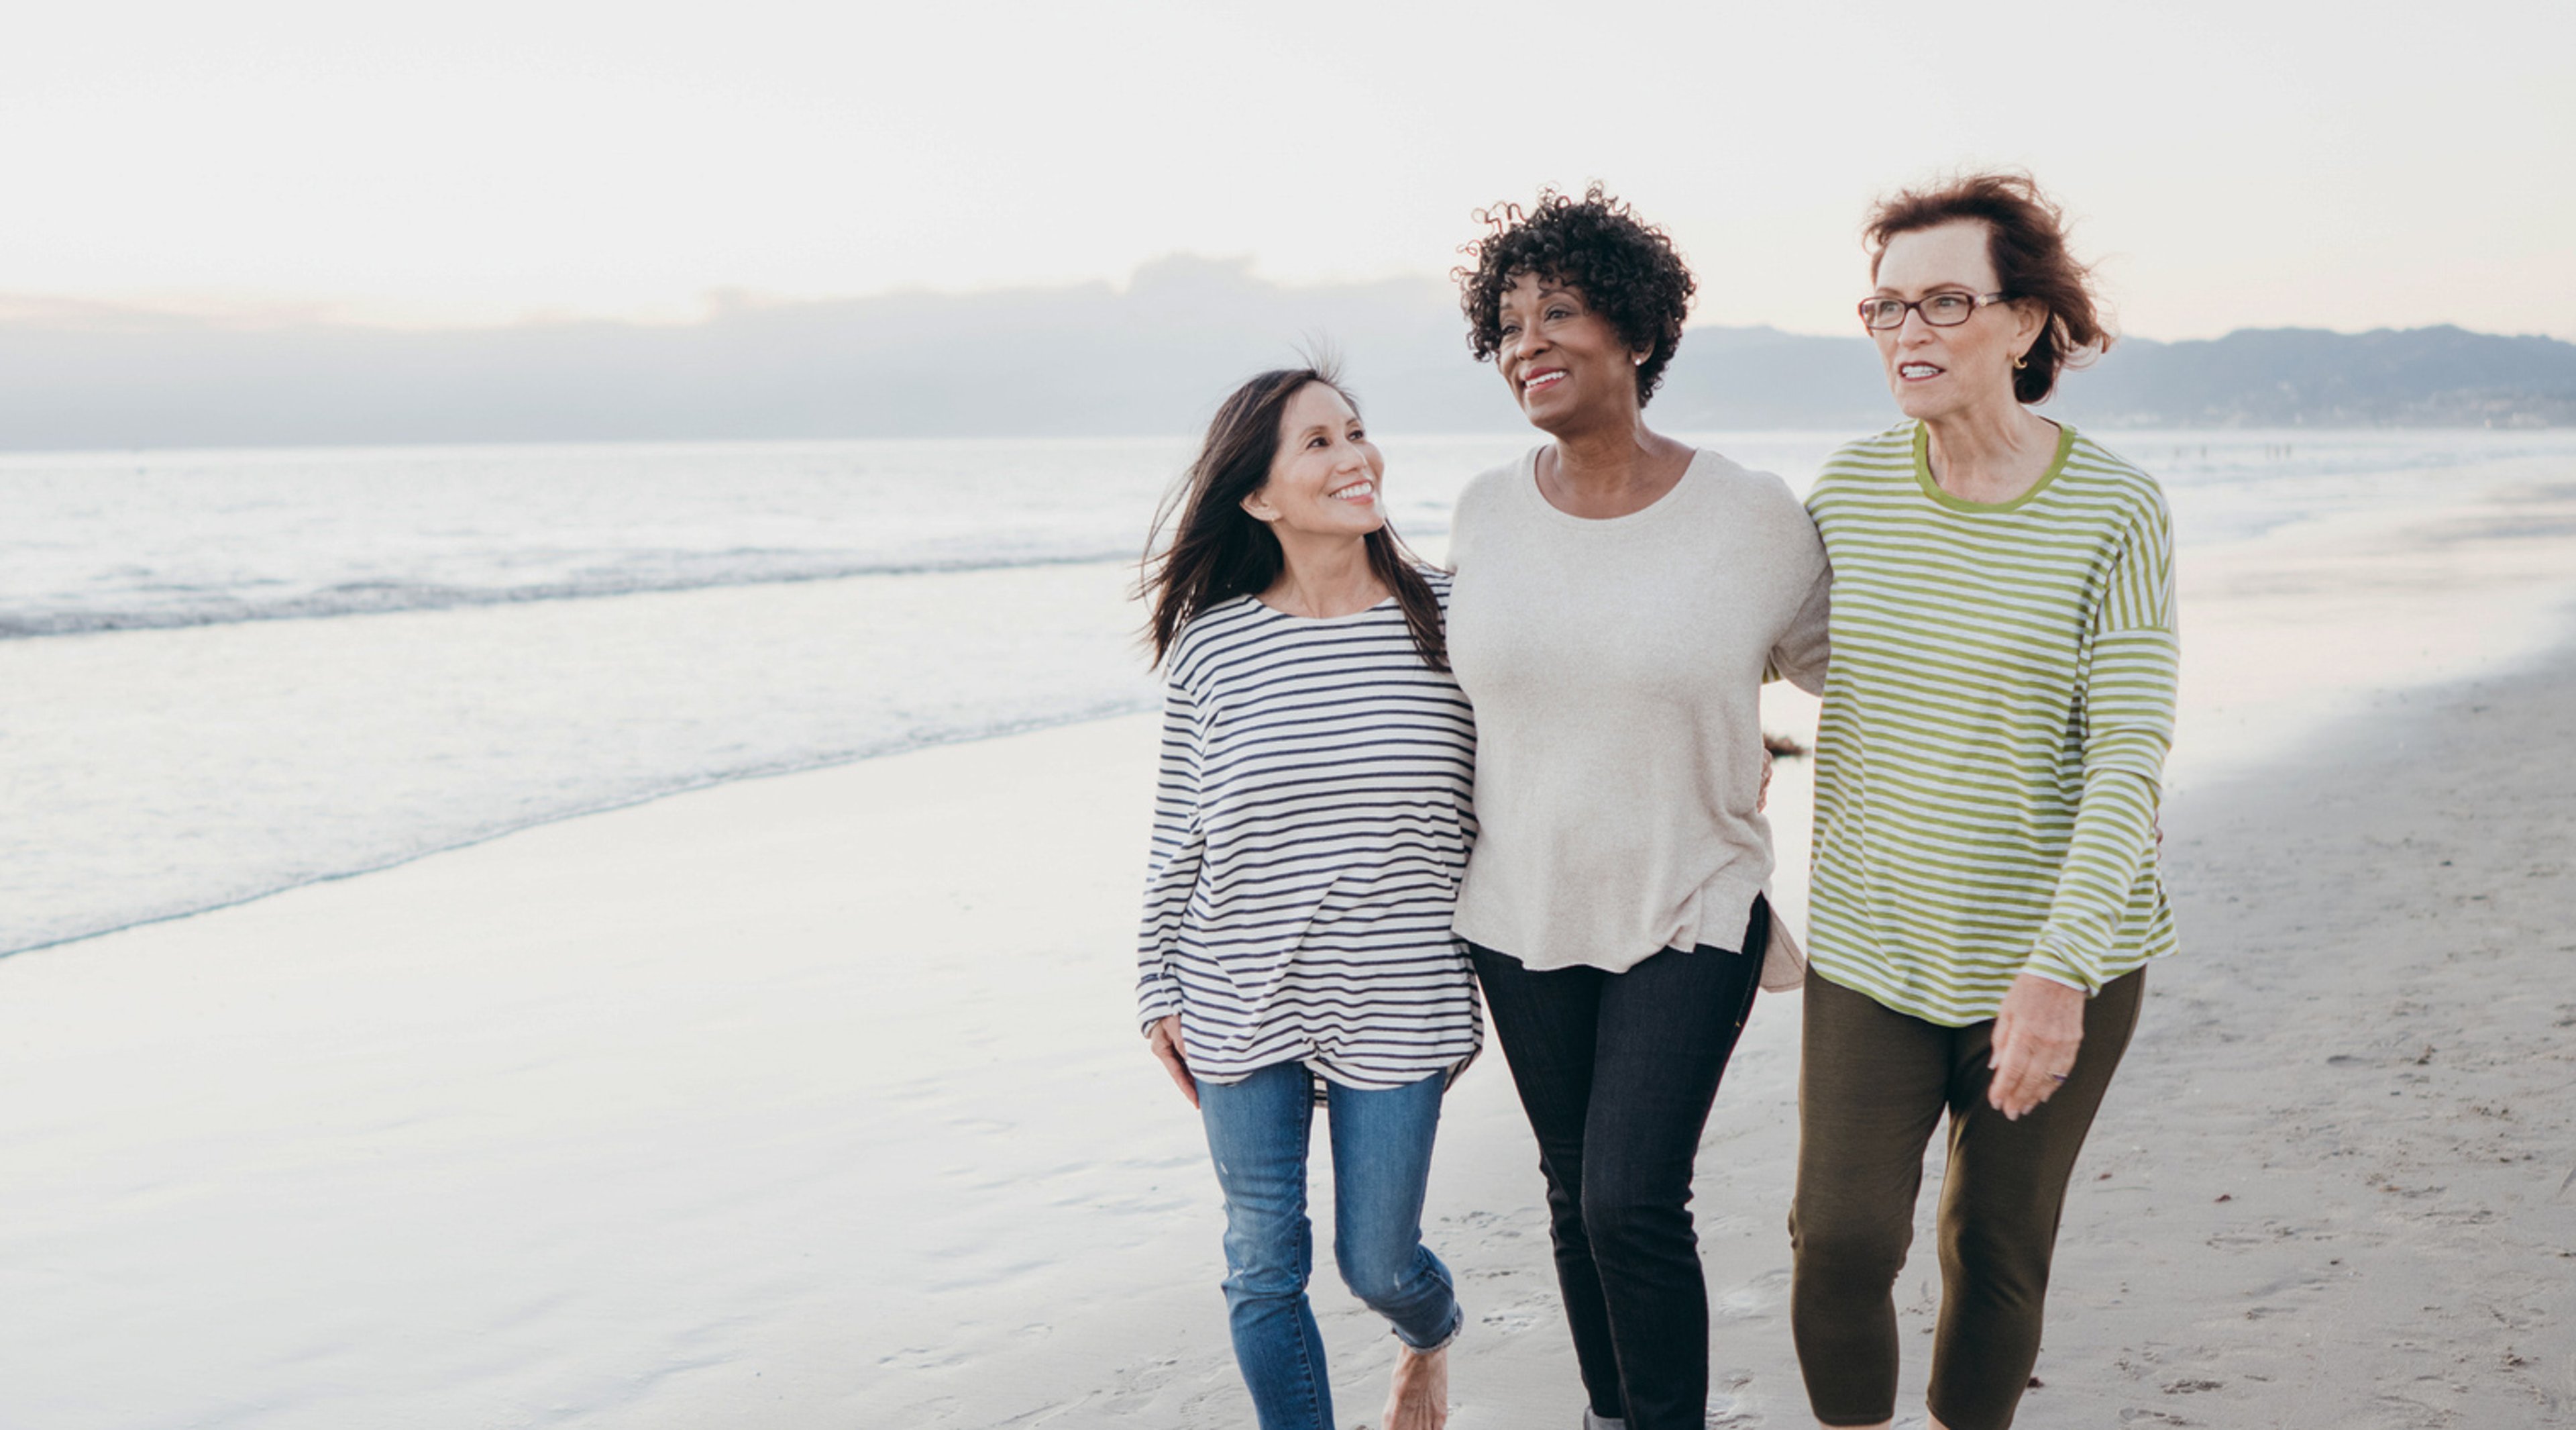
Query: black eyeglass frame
point(1903, 307)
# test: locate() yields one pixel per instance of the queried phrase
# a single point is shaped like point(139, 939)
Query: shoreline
point(162, 772)
point(833, 761)
point(167, 772)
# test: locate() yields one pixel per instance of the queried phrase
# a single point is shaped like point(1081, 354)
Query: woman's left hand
point(2035, 1040)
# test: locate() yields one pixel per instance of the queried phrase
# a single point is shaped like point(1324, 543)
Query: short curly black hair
point(1625, 268)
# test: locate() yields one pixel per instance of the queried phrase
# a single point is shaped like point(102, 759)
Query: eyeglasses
point(1941, 310)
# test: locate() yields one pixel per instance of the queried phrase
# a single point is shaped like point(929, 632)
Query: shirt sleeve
point(1172, 866)
point(2128, 692)
point(1806, 647)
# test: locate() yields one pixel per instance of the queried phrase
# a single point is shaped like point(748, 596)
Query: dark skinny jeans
point(1617, 1072)
point(1873, 1083)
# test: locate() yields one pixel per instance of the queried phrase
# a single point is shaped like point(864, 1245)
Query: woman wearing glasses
point(1994, 732)
point(1618, 597)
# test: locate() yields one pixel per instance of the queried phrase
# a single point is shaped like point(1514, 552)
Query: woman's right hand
point(1165, 1039)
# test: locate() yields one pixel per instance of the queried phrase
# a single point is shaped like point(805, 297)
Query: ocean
point(227, 673)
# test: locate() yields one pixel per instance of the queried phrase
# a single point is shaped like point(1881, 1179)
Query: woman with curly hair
point(1618, 598)
point(1986, 895)
point(1310, 821)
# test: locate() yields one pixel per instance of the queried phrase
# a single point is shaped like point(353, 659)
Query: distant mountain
point(2257, 377)
point(1097, 360)
point(2289, 377)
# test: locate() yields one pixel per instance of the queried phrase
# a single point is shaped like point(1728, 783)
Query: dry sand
point(2333, 1185)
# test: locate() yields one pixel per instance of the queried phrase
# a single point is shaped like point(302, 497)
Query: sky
point(2231, 165)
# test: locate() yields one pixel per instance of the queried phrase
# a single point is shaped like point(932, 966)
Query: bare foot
point(1419, 1398)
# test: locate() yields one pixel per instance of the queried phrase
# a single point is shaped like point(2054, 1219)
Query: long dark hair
point(1219, 551)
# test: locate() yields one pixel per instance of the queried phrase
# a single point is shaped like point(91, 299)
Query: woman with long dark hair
point(1310, 824)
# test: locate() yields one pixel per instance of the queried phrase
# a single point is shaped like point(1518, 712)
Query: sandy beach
point(580, 726)
point(725, 1109)
point(815, 1100)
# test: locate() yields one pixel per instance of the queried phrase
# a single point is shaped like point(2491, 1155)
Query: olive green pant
point(1871, 1087)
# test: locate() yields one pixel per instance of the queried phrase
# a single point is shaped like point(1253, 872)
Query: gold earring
point(2018, 364)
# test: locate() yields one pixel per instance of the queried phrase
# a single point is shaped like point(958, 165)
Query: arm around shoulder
point(1804, 648)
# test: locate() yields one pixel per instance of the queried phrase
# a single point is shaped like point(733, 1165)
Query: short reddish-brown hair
point(2026, 241)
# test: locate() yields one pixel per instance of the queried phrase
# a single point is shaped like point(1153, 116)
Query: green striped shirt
point(1995, 725)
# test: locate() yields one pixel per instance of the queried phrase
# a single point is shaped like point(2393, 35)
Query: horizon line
point(247, 316)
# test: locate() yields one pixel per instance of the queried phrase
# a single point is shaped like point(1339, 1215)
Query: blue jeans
point(1258, 1130)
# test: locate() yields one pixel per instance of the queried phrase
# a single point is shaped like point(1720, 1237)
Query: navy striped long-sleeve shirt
point(1311, 821)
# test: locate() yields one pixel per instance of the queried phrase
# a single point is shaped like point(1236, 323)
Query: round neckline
point(1529, 484)
point(1270, 609)
point(1932, 488)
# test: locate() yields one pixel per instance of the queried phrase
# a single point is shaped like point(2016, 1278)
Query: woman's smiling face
point(1563, 362)
point(1324, 476)
point(1936, 372)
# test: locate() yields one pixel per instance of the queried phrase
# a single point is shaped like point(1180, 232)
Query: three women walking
point(1984, 599)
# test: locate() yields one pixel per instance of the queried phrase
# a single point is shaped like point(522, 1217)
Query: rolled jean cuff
point(1457, 1324)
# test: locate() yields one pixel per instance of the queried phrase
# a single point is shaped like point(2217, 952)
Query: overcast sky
point(2239, 164)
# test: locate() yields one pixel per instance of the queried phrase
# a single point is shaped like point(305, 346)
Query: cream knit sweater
point(1616, 667)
